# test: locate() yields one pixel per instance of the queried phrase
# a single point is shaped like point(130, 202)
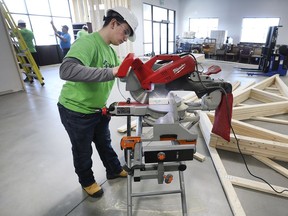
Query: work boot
point(94, 190)
point(122, 174)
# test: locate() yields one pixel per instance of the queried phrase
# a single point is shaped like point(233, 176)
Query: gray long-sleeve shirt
point(72, 69)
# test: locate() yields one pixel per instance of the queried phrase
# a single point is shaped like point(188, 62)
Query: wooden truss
point(270, 99)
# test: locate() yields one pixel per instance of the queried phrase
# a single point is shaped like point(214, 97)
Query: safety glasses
point(127, 31)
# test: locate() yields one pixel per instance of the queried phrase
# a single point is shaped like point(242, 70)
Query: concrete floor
point(37, 176)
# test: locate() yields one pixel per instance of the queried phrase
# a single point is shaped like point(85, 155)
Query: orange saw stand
point(158, 162)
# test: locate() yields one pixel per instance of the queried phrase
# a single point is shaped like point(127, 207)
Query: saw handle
point(125, 65)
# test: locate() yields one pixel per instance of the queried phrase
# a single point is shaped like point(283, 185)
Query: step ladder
point(22, 52)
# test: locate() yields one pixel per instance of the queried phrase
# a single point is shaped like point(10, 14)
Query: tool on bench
point(157, 80)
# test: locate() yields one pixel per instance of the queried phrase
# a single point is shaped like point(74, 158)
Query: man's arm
point(65, 37)
point(72, 69)
point(53, 26)
point(57, 33)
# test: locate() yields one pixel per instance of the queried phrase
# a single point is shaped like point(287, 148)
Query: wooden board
point(235, 204)
point(199, 157)
point(259, 186)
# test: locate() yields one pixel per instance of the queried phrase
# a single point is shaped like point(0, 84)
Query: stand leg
point(129, 177)
point(139, 126)
point(183, 195)
point(128, 125)
point(129, 185)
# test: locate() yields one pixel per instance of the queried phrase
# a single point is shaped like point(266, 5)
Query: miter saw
point(153, 87)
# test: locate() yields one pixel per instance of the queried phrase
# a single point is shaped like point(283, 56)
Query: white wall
point(229, 12)
point(10, 79)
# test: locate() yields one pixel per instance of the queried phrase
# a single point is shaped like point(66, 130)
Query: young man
point(90, 68)
point(64, 36)
point(28, 37)
point(82, 32)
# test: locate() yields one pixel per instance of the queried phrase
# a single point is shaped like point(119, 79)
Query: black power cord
point(262, 179)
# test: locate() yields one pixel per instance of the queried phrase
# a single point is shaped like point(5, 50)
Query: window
point(255, 30)
point(16, 6)
point(203, 26)
point(159, 30)
point(38, 7)
point(43, 36)
point(38, 14)
point(59, 8)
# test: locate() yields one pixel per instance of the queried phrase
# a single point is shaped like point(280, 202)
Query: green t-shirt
point(81, 33)
point(28, 37)
point(85, 97)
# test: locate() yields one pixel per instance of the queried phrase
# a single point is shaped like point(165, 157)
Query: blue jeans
point(83, 129)
point(65, 51)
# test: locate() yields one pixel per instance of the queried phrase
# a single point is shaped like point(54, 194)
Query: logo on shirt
point(106, 64)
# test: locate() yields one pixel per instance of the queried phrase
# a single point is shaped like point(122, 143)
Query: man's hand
point(54, 28)
point(115, 70)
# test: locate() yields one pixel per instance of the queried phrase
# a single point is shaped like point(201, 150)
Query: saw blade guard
point(147, 80)
point(175, 67)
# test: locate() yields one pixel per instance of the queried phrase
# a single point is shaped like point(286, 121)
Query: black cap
point(65, 26)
